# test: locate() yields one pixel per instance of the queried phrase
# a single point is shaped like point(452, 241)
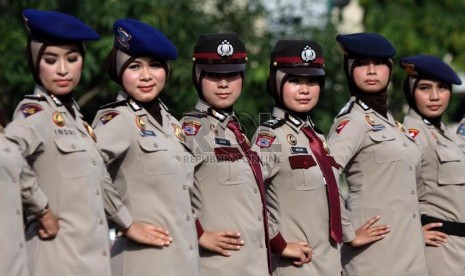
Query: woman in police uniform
point(428, 88)
point(61, 149)
point(380, 162)
point(228, 187)
point(302, 189)
point(14, 171)
point(143, 146)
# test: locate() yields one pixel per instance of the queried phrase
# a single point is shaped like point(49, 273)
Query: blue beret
point(56, 27)
point(429, 67)
point(361, 45)
point(139, 39)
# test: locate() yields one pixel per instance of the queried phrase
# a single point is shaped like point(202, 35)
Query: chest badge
point(214, 129)
point(291, 139)
point(58, 119)
point(90, 131)
point(140, 123)
point(178, 132)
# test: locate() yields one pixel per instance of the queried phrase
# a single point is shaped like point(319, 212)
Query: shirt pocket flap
point(150, 145)
point(69, 145)
point(301, 161)
point(228, 154)
point(381, 136)
point(446, 155)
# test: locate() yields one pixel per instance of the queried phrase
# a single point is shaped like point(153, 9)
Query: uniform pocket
point(303, 172)
point(231, 166)
point(156, 159)
point(451, 168)
point(385, 153)
point(74, 159)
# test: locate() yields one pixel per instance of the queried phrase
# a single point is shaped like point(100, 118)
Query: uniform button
point(414, 215)
point(18, 212)
point(101, 222)
point(184, 187)
point(412, 192)
point(410, 168)
point(21, 244)
point(166, 135)
point(405, 145)
point(155, 145)
point(83, 135)
point(94, 162)
point(7, 149)
point(98, 192)
point(255, 190)
point(261, 245)
point(104, 253)
point(73, 146)
point(188, 217)
point(259, 218)
point(191, 247)
point(384, 136)
point(178, 158)
point(14, 180)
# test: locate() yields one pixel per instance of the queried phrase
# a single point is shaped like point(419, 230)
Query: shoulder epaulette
point(346, 109)
point(35, 97)
point(196, 114)
point(274, 123)
point(113, 104)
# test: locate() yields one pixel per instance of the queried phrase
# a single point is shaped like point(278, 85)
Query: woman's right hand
point(369, 233)
point(148, 234)
point(221, 242)
point(49, 226)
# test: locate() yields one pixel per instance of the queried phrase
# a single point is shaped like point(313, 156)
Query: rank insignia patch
point(265, 139)
point(58, 119)
point(29, 109)
point(108, 117)
point(413, 132)
point(191, 127)
point(341, 125)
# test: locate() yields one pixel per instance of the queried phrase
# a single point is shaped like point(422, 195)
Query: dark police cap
point(360, 45)
point(220, 53)
point(298, 57)
point(429, 67)
point(56, 27)
point(139, 39)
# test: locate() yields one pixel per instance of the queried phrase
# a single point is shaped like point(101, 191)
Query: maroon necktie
point(254, 163)
point(319, 152)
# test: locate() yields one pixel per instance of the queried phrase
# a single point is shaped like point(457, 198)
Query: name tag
point(296, 150)
point(223, 142)
point(147, 132)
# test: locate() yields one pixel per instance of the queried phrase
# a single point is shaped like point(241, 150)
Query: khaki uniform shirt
point(70, 172)
point(380, 164)
point(150, 169)
point(296, 194)
point(226, 195)
point(441, 189)
point(13, 171)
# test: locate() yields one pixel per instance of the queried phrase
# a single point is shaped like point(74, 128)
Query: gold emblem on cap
point(58, 119)
point(90, 131)
point(370, 120)
point(178, 132)
point(140, 123)
point(291, 139)
point(409, 68)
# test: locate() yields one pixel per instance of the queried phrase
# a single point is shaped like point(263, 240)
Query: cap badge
point(225, 49)
point(123, 38)
point(410, 69)
point(308, 54)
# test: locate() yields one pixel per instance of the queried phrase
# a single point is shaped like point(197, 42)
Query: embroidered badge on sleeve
point(191, 127)
point(265, 139)
point(341, 125)
point(30, 109)
point(413, 132)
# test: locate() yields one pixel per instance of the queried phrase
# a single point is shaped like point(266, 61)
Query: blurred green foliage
point(413, 26)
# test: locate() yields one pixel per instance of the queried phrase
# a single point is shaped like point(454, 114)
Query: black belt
point(448, 227)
